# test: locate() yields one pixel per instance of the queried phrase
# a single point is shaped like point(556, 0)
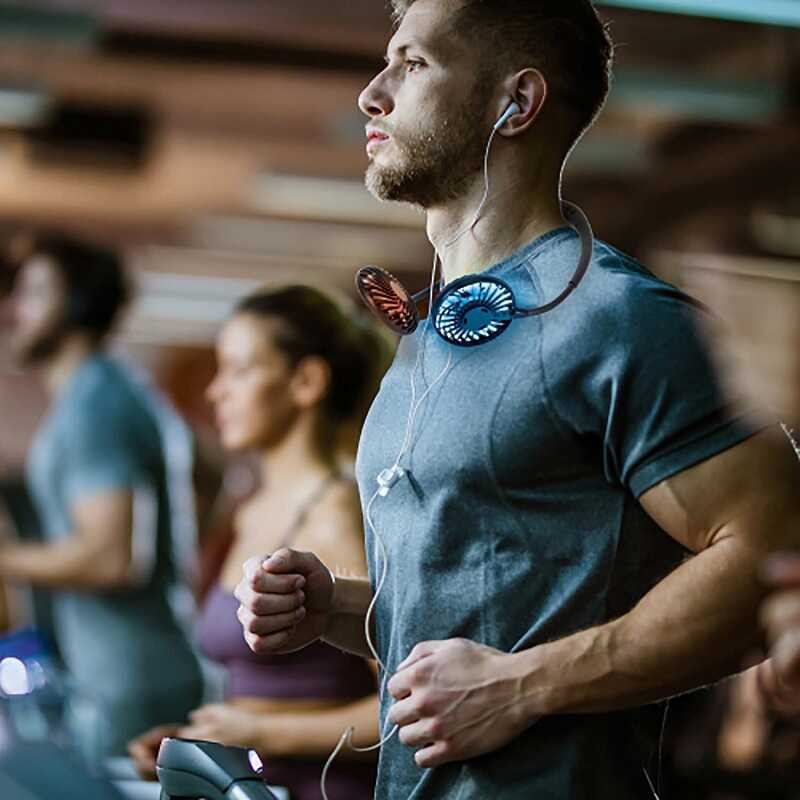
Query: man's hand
point(455, 700)
point(780, 616)
point(286, 601)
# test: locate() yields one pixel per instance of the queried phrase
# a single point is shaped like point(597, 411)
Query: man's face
point(38, 309)
point(429, 111)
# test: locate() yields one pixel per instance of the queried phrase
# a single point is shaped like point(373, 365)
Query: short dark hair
point(565, 39)
point(96, 285)
point(312, 324)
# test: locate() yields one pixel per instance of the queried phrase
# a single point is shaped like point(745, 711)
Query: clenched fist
point(286, 601)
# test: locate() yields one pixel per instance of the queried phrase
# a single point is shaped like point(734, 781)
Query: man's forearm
point(351, 600)
point(691, 629)
point(64, 564)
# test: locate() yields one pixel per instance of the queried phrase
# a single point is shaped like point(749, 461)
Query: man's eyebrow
point(402, 49)
point(398, 51)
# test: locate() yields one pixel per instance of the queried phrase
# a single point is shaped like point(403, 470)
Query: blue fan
point(473, 312)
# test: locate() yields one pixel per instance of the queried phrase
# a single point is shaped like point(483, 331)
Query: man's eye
point(412, 65)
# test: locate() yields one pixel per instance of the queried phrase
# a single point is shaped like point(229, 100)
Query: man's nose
point(375, 100)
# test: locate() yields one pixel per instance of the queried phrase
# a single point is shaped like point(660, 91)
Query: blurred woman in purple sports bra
point(293, 370)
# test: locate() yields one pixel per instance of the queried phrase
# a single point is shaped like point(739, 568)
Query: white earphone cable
point(791, 435)
point(414, 406)
point(486, 185)
point(395, 471)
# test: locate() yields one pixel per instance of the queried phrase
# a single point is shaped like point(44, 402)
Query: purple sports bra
point(319, 671)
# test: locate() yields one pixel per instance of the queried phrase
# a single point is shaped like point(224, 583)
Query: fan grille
point(474, 313)
point(388, 300)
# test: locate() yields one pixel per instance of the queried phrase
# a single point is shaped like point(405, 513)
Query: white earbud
point(509, 112)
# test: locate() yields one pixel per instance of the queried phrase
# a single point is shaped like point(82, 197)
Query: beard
point(37, 349)
point(436, 164)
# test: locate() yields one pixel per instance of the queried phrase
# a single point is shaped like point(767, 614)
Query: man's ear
point(528, 89)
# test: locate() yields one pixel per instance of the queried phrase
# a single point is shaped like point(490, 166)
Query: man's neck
point(57, 371)
point(516, 212)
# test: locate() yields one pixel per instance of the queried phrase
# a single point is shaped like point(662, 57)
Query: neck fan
point(472, 310)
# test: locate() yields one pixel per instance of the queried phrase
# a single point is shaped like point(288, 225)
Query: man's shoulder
point(619, 294)
point(105, 383)
point(617, 278)
point(620, 314)
point(105, 396)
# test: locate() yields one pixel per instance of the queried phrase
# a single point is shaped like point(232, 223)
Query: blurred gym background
point(219, 144)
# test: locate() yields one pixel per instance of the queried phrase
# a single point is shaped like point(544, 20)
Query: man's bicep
point(749, 490)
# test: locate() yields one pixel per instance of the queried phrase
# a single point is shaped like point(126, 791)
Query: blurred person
point(292, 371)
point(29, 605)
point(779, 677)
point(538, 508)
point(756, 339)
point(6, 616)
point(5, 610)
point(99, 475)
point(726, 743)
point(758, 737)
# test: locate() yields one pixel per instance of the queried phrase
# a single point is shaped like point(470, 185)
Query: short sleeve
point(645, 387)
point(104, 451)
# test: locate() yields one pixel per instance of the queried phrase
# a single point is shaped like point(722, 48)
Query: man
point(99, 477)
point(538, 592)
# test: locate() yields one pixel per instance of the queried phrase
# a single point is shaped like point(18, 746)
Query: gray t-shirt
point(132, 664)
point(518, 521)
